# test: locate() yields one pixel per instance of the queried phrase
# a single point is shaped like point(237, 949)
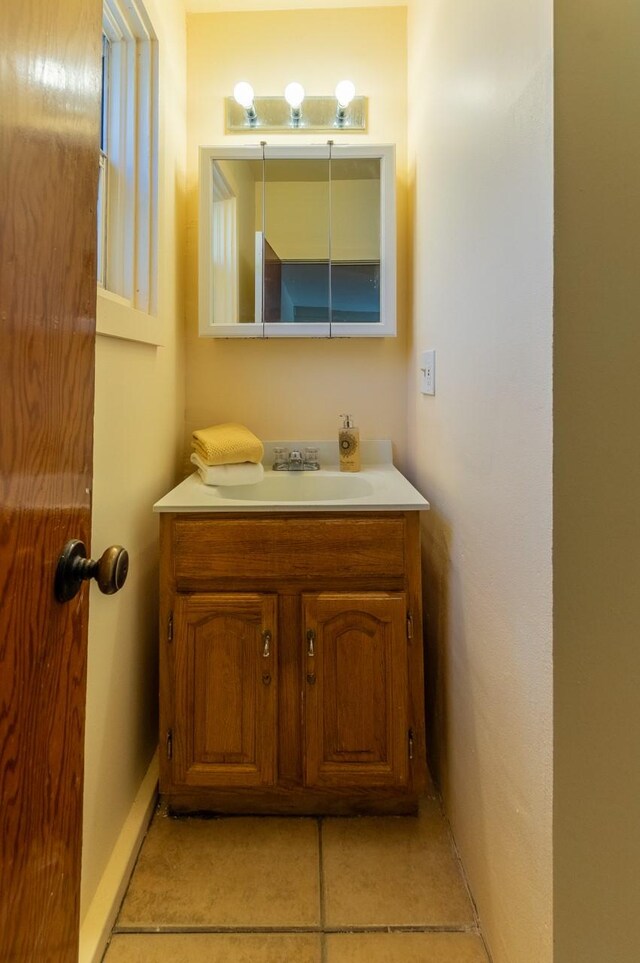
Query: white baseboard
point(98, 922)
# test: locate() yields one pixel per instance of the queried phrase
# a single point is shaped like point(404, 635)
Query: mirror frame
point(385, 328)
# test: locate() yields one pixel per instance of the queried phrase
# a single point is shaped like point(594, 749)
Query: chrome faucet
point(295, 460)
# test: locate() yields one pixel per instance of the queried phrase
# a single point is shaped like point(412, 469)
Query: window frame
point(103, 184)
point(130, 180)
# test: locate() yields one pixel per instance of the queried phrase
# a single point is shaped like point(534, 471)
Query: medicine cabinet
point(297, 242)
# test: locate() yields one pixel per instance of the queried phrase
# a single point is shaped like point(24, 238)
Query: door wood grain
point(49, 130)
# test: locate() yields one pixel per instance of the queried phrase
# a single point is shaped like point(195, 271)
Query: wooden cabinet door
point(356, 691)
point(225, 691)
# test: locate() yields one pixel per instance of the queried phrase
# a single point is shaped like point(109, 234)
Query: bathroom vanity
point(291, 652)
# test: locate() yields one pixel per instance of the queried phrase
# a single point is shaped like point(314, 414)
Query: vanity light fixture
point(345, 92)
point(294, 95)
point(243, 95)
point(344, 111)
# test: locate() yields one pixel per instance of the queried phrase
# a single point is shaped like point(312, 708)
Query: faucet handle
point(311, 457)
point(280, 456)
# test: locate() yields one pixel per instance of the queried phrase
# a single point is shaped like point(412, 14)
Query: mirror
point(355, 240)
point(297, 242)
point(236, 221)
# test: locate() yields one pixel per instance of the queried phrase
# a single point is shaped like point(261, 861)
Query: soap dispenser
point(349, 445)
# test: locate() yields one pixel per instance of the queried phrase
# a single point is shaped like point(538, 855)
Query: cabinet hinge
point(169, 744)
point(170, 628)
point(409, 626)
point(410, 743)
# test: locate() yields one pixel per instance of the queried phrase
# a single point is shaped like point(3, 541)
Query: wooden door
point(225, 691)
point(49, 135)
point(356, 692)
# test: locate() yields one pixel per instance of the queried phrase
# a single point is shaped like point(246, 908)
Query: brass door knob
point(73, 568)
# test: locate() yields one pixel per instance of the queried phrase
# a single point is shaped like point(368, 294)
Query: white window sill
point(116, 318)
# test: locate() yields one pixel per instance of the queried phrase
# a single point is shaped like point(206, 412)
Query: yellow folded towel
point(227, 444)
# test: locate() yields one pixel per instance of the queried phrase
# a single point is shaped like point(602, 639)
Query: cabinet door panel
point(356, 690)
point(226, 687)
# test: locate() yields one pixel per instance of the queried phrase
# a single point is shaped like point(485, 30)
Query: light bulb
point(243, 93)
point(294, 95)
point(345, 92)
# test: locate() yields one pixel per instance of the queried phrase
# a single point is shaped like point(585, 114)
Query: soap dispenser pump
point(349, 445)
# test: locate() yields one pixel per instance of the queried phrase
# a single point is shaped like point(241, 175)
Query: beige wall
point(298, 225)
point(596, 483)
point(294, 388)
point(139, 415)
point(482, 200)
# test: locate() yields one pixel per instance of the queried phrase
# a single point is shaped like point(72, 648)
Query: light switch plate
point(428, 372)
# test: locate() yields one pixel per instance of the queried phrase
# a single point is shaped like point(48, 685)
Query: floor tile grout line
point(323, 905)
point(322, 930)
point(486, 948)
point(402, 928)
point(155, 809)
point(461, 869)
point(457, 858)
point(160, 930)
point(462, 872)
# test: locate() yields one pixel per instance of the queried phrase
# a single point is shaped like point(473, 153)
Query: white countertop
point(378, 486)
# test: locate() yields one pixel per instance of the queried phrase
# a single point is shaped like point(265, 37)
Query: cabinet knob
point(311, 639)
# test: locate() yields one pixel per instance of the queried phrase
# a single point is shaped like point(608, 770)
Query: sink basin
point(299, 487)
point(379, 487)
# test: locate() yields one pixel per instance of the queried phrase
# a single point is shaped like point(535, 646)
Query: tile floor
point(287, 890)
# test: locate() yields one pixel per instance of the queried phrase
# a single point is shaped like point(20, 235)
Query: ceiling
point(235, 6)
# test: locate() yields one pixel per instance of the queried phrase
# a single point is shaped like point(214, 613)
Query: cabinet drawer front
point(287, 547)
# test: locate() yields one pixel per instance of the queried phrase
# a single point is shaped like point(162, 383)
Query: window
point(103, 165)
point(127, 186)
